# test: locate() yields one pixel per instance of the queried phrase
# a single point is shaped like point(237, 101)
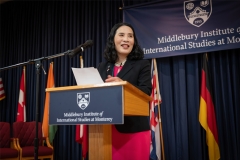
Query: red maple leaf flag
point(81, 135)
point(21, 114)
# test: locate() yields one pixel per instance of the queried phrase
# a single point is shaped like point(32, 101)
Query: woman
point(124, 62)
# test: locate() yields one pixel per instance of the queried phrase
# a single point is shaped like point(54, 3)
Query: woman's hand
point(113, 79)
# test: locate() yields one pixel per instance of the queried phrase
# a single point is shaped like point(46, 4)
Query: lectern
point(99, 106)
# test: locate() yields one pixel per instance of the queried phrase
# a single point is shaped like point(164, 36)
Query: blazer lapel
point(126, 68)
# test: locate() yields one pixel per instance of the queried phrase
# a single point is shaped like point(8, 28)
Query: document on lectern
point(87, 76)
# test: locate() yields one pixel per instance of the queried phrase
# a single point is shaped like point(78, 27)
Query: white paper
point(86, 76)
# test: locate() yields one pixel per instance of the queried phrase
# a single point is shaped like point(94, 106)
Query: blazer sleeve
point(144, 77)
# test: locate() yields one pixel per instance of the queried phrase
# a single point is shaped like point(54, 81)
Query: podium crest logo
point(197, 12)
point(83, 99)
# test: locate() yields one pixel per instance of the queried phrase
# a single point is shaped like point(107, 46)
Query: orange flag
point(48, 130)
point(207, 116)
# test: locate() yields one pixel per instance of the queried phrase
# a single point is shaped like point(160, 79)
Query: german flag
point(207, 116)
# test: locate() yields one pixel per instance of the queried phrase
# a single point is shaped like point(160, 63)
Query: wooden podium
point(134, 102)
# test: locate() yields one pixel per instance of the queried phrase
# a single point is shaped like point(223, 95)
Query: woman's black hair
point(110, 54)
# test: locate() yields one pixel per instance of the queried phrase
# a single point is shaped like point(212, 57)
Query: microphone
point(81, 48)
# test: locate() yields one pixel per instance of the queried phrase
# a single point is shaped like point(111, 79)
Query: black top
point(138, 73)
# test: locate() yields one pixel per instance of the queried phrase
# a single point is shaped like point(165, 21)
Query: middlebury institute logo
point(83, 99)
point(197, 12)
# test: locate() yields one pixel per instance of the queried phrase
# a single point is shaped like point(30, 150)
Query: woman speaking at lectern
point(124, 62)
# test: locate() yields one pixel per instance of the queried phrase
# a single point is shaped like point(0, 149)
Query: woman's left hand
point(113, 79)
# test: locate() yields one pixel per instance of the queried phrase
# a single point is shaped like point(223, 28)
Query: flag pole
point(81, 62)
point(24, 111)
point(159, 111)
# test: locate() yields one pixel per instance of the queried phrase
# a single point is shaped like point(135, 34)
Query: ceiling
point(2, 1)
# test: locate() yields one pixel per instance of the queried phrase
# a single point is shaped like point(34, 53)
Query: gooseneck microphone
point(81, 48)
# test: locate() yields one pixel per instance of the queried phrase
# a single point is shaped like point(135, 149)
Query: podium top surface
point(122, 83)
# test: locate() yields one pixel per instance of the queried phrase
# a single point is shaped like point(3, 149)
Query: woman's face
point(124, 40)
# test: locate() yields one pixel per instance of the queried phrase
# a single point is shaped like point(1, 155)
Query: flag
point(81, 135)
point(2, 93)
point(155, 146)
point(207, 117)
point(21, 114)
point(48, 130)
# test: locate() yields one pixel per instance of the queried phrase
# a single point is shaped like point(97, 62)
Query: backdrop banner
point(170, 28)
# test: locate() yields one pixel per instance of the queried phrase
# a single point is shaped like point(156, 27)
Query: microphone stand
point(38, 65)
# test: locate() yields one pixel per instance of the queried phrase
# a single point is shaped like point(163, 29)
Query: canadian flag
point(82, 138)
point(21, 114)
point(81, 135)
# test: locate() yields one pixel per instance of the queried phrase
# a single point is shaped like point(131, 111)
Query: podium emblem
point(83, 99)
point(197, 12)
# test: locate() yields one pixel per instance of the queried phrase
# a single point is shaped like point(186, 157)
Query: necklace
point(120, 63)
